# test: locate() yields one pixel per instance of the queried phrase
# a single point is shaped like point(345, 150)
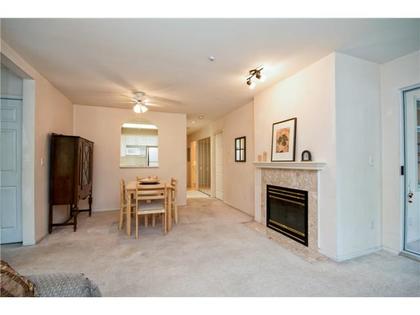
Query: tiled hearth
point(297, 175)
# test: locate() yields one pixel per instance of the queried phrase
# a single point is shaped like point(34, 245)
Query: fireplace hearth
point(287, 212)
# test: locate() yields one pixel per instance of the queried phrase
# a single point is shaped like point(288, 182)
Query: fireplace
point(287, 212)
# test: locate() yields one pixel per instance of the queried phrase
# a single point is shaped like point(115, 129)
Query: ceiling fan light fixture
point(140, 108)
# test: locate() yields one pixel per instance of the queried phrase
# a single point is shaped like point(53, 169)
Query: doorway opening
point(204, 167)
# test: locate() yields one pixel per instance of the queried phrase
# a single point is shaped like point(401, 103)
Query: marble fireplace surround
point(297, 175)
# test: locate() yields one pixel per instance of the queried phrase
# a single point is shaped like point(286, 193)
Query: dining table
point(130, 190)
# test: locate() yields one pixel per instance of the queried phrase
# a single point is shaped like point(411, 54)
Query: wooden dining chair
point(158, 204)
point(139, 180)
point(124, 204)
point(174, 205)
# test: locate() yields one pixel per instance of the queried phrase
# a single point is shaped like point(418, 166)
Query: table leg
point(128, 221)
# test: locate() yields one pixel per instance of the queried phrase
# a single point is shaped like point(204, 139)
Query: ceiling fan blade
point(162, 100)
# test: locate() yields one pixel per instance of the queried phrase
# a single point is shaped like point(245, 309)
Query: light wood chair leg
point(164, 223)
point(176, 213)
point(137, 226)
point(153, 220)
point(121, 219)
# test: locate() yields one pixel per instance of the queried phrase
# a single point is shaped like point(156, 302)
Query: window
point(240, 149)
point(139, 145)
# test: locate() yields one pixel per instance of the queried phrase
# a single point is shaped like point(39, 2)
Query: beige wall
point(102, 125)
point(238, 179)
point(52, 112)
point(308, 95)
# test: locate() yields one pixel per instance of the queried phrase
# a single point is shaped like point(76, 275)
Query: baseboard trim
point(105, 210)
point(391, 250)
point(358, 253)
point(240, 210)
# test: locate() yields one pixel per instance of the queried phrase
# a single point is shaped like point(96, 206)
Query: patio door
point(412, 171)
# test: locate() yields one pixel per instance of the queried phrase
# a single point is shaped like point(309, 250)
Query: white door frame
point(28, 152)
point(404, 190)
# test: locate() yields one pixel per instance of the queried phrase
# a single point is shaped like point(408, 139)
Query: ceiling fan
point(142, 102)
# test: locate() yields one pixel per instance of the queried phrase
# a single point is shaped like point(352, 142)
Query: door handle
point(410, 197)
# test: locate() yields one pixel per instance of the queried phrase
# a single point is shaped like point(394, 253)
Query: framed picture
point(240, 149)
point(283, 141)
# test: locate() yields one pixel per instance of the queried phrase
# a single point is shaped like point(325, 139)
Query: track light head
point(257, 74)
point(251, 84)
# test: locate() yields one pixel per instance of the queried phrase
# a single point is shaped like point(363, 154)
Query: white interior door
point(412, 178)
point(219, 165)
point(11, 169)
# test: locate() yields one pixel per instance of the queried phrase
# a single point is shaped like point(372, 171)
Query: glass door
point(412, 171)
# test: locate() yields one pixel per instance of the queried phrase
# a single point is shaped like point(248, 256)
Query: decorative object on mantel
point(306, 156)
point(264, 156)
point(240, 149)
point(283, 141)
point(259, 158)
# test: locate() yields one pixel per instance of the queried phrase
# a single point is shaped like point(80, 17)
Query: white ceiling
point(101, 61)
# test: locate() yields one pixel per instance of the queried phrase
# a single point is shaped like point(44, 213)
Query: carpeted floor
point(211, 252)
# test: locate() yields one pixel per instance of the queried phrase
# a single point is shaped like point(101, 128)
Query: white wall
point(395, 75)
point(358, 134)
point(102, 125)
point(51, 112)
point(308, 95)
point(238, 178)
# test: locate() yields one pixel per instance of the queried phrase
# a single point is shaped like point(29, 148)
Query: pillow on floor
point(64, 285)
point(13, 284)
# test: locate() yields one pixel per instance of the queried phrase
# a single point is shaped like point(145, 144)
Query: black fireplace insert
point(287, 212)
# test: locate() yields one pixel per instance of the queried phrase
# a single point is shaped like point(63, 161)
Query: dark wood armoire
point(71, 163)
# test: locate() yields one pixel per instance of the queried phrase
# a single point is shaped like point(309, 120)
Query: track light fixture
point(255, 73)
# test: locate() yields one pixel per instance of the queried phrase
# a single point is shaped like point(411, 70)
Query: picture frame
point(283, 141)
point(240, 149)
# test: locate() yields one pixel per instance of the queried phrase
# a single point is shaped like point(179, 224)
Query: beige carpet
point(196, 194)
point(211, 252)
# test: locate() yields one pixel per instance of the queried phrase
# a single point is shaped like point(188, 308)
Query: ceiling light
point(257, 74)
point(201, 116)
point(140, 108)
point(212, 58)
point(251, 84)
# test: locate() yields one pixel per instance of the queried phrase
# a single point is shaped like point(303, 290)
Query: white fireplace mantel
point(311, 166)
